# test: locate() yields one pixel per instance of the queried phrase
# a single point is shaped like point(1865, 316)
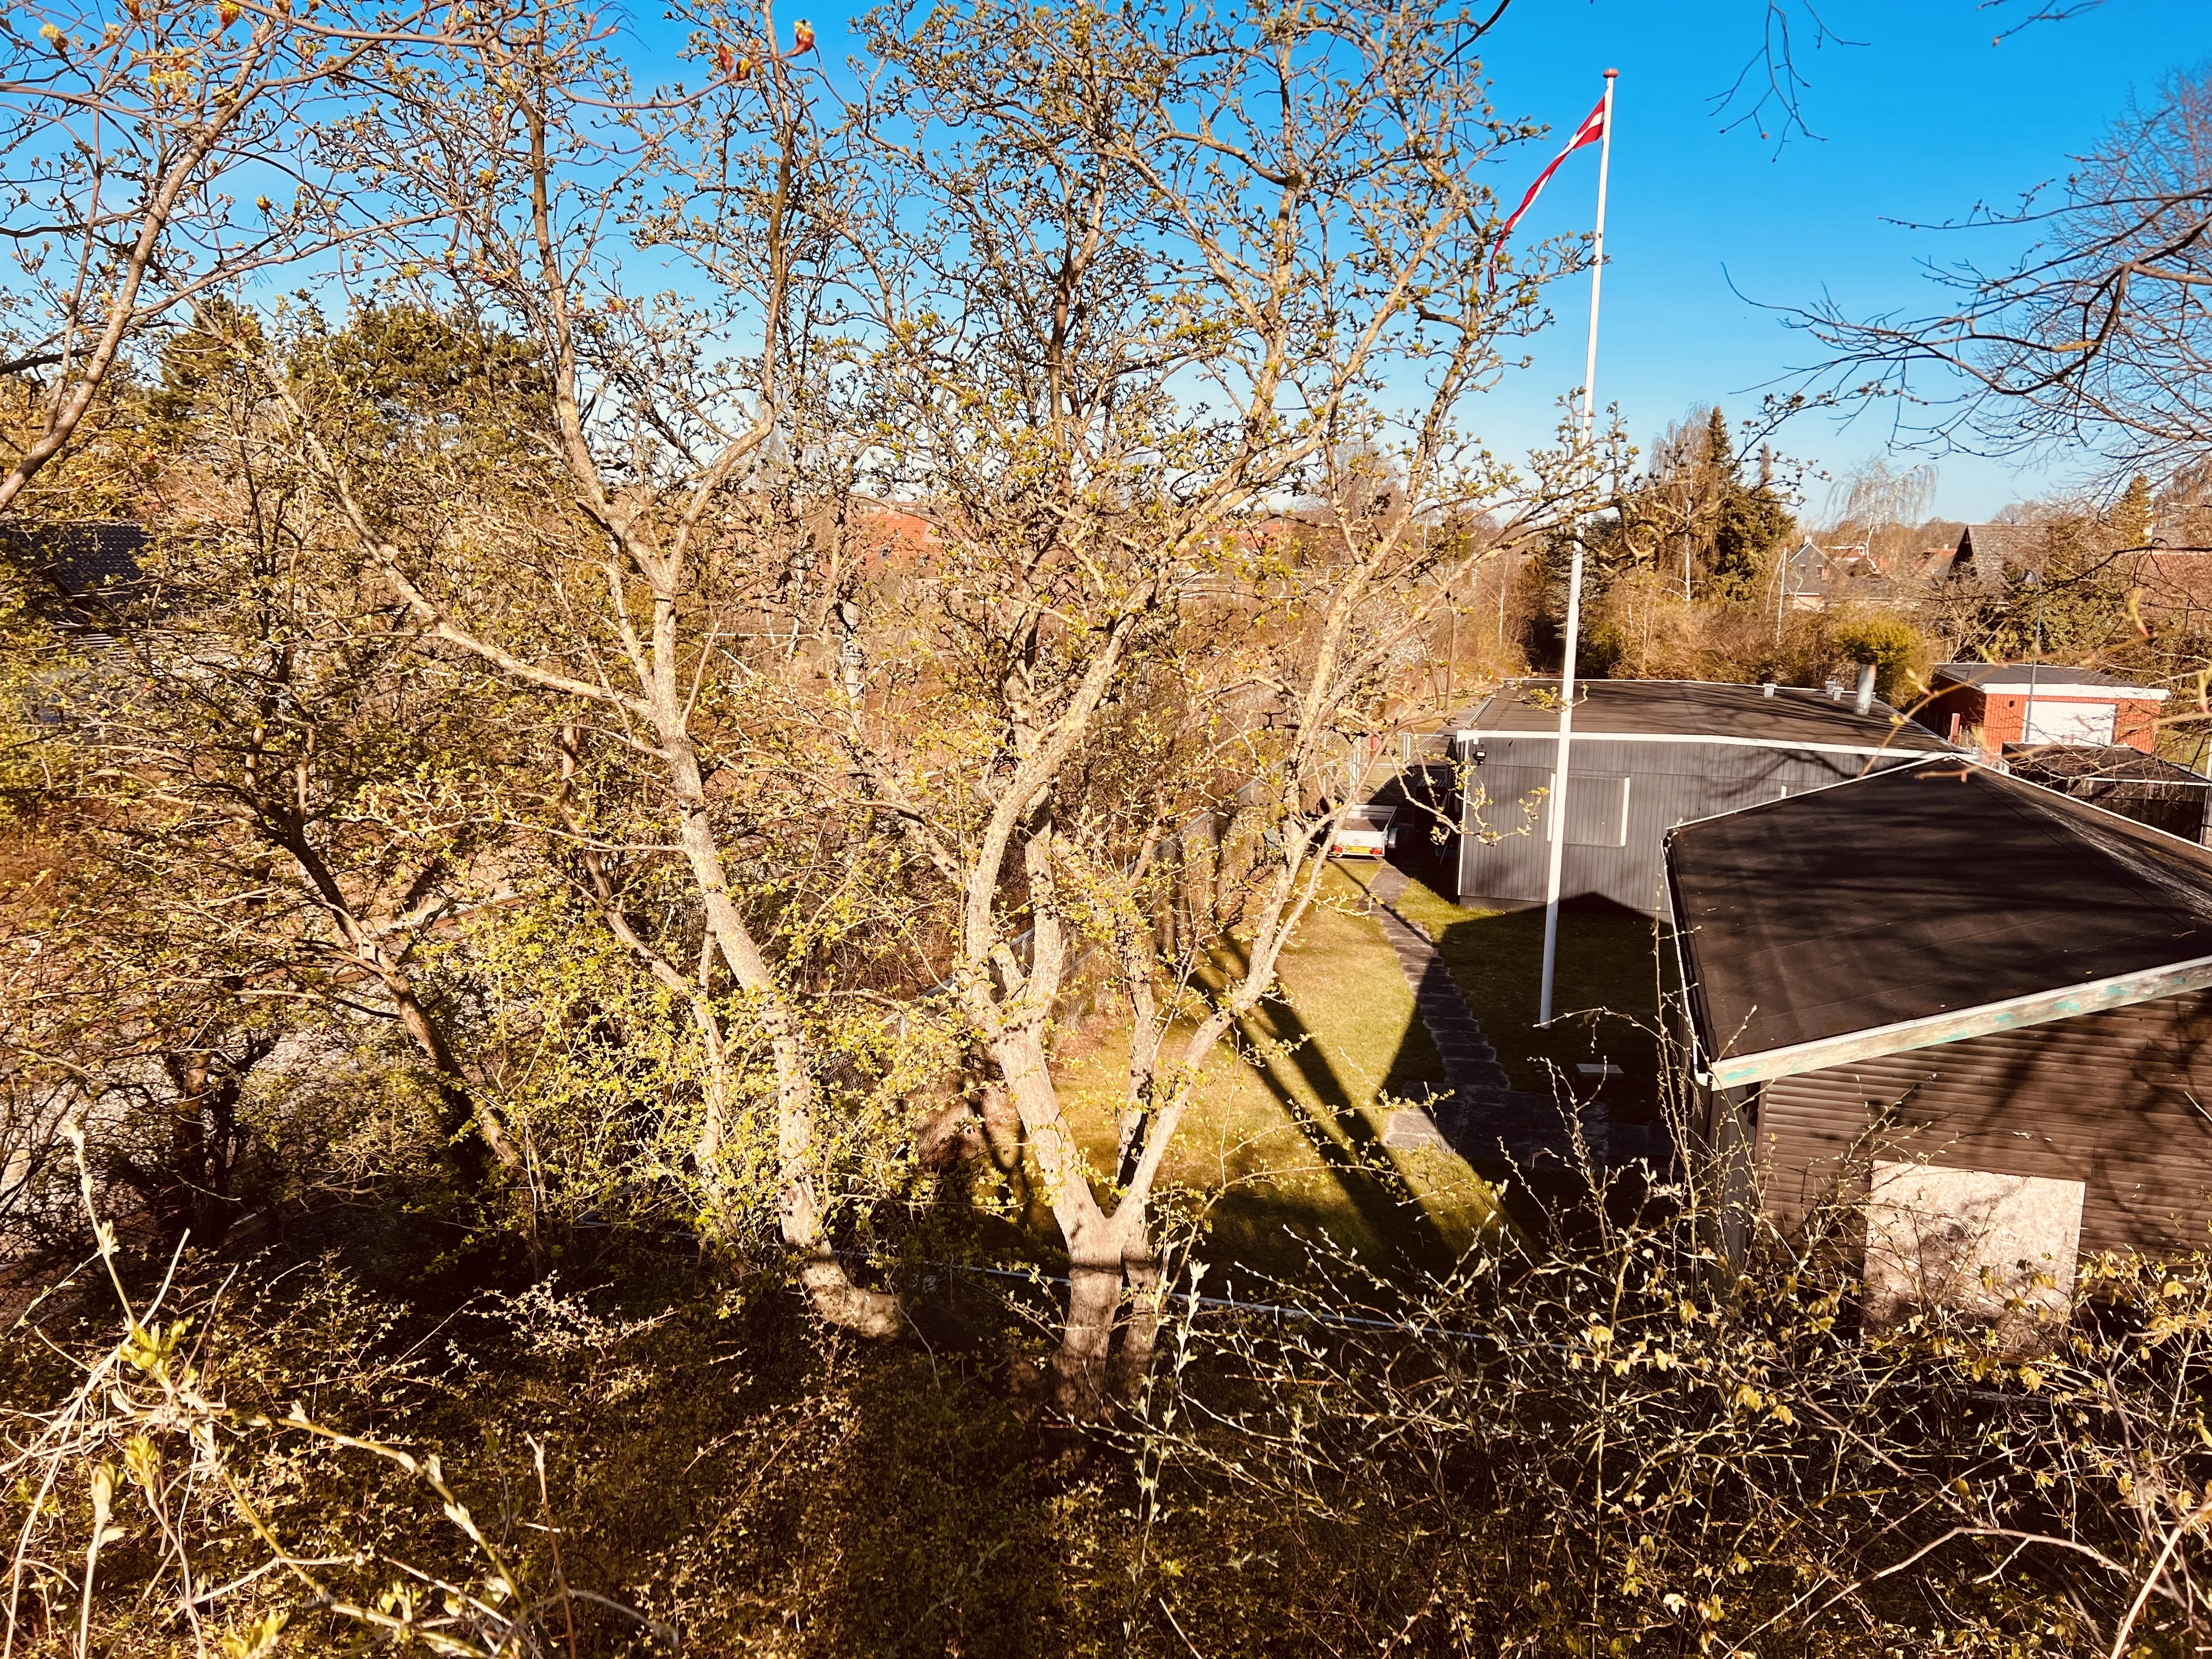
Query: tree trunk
point(1079, 1369)
point(1101, 1248)
point(187, 1190)
point(829, 1289)
point(463, 1112)
point(1132, 1362)
point(1090, 1375)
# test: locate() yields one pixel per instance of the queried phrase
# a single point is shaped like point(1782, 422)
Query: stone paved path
point(1484, 1119)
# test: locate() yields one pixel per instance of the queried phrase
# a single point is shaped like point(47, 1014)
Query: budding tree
point(262, 800)
point(670, 526)
point(1142, 283)
point(153, 158)
point(1094, 299)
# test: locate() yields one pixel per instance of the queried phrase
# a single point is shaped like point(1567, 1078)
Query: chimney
point(1864, 702)
point(1766, 689)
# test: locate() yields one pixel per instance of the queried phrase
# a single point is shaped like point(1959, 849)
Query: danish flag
point(1592, 129)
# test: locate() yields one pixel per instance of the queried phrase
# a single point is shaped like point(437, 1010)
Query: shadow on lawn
point(1612, 976)
point(1341, 1136)
point(1607, 996)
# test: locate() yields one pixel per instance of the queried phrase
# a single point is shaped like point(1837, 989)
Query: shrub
point(1900, 652)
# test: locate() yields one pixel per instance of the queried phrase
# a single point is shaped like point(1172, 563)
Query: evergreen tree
point(1693, 513)
point(1749, 524)
point(2135, 514)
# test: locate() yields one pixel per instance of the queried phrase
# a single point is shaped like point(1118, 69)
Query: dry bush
point(1600, 1438)
point(1590, 1436)
point(290, 1460)
point(1643, 630)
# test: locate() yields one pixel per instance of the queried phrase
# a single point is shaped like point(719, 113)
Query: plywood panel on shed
point(1999, 1246)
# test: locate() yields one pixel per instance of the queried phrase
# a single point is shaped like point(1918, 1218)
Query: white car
point(1364, 832)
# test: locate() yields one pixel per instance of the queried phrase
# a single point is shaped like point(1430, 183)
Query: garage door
point(2069, 722)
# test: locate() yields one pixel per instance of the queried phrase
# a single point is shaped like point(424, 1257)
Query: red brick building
point(1990, 705)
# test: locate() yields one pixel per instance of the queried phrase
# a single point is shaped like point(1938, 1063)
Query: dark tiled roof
point(1681, 708)
point(2041, 673)
point(83, 558)
point(1988, 553)
point(2046, 762)
point(1919, 891)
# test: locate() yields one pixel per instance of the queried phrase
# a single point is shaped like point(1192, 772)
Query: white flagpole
point(1559, 813)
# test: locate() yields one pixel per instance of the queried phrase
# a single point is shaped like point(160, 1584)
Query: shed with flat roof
point(1646, 755)
point(1964, 990)
point(1990, 704)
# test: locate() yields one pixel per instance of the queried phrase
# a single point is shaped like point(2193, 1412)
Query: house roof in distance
point(1920, 904)
point(1686, 710)
point(83, 557)
point(2048, 679)
point(1988, 552)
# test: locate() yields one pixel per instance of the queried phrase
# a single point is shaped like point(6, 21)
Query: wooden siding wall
point(1967, 703)
point(1670, 783)
point(2107, 1099)
point(2004, 718)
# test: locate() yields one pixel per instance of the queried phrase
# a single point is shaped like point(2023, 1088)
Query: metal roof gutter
point(2041, 1008)
point(1795, 745)
point(1693, 992)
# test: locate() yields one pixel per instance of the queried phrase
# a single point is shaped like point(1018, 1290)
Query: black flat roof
point(2036, 673)
point(1919, 891)
point(84, 557)
point(2115, 762)
point(1695, 708)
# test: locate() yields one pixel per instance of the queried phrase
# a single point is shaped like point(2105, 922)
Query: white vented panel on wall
point(2069, 722)
point(1597, 810)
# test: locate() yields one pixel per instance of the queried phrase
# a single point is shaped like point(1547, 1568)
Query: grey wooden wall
point(1624, 796)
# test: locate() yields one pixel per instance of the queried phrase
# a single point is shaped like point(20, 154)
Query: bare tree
point(1089, 299)
point(152, 160)
point(1874, 494)
point(1145, 282)
point(2097, 335)
point(543, 170)
point(267, 799)
point(1772, 92)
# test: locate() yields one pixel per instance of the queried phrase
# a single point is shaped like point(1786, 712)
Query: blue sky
point(1920, 122)
point(1924, 120)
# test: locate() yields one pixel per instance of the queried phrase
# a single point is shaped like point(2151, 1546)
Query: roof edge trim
point(2037, 1008)
point(2067, 691)
point(1582, 735)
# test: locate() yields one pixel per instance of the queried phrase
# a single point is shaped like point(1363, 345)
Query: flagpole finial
point(1613, 74)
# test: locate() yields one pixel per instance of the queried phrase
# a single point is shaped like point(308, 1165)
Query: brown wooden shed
point(1995, 998)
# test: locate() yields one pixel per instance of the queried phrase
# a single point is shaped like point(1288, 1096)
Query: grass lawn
point(1607, 992)
point(1287, 1135)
